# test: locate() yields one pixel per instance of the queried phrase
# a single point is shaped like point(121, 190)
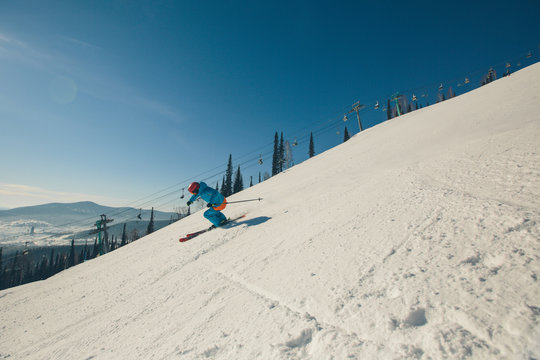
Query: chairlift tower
point(101, 226)
point(396, 98)
point(356, 107)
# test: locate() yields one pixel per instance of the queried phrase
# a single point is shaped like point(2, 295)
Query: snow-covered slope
point(418, 238)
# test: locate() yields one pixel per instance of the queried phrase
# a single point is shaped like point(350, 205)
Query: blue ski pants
point(214, 216)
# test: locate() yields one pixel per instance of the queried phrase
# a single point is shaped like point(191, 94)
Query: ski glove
point(189, 203)
point(209, 205)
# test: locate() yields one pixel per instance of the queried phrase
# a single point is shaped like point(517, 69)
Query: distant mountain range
point(60, 213)
point(57, 223)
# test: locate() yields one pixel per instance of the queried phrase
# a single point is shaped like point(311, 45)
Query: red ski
point(197, 233)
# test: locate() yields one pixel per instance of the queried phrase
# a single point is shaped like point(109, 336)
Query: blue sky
point(114, 101)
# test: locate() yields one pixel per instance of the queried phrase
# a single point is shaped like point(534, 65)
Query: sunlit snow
point(418, 238)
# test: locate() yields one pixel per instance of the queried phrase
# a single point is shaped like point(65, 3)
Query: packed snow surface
point(418, 238)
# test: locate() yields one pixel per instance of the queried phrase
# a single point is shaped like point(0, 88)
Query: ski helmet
point(194, 187)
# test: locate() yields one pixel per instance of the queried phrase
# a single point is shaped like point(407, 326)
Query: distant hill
point(55, 223)
point(61, 213)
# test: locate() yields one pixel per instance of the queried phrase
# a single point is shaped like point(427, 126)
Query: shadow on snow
point(251, 222)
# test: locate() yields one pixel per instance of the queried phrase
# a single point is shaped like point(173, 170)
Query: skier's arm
point(192, 199)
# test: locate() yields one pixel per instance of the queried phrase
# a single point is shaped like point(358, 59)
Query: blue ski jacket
point(208, 194)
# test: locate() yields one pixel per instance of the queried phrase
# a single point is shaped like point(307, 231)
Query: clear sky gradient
point(113, 101)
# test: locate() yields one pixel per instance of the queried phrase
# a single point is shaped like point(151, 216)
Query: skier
point(216, 202)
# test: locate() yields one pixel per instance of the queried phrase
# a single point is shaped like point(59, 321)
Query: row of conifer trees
point(36, 264)
point(282, 159)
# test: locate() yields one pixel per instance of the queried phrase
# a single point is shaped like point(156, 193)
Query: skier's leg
point(222, 217)
point(213, 216)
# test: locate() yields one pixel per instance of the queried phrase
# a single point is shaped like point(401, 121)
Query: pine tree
point(259, 177)
point(289, 162)
point(71, 259)
point(228, 189)
point(404, 105)
point(60, 263)
point(85, 253)
point(250, 181)
point(80, 256)
point(95, 252)
point(51, 264)
point(27, 272)
point(43, 272)
point(1, 271)
point(222, 190)
point(388, 111)
point(113, 243)
point(124, 236)
point(346, 135)
point(15, 271)
point(275, 157)
point(150, 228)
point(238, 182)
point(311, 146)
point(281, 154)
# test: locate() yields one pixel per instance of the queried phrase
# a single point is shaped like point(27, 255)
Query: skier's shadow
point(251, 222)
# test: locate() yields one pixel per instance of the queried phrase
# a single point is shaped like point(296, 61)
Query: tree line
point(282, 159)
point(35, 264)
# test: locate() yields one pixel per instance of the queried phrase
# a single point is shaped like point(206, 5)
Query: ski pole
point(238, 201)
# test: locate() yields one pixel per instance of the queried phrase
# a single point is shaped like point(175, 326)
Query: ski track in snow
point(418, 239)
point(313, 328)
